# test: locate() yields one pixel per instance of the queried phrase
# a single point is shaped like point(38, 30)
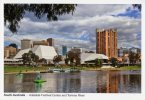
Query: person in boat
point(38, 76)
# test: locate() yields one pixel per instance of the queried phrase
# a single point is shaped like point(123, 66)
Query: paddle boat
point(38, 78)
point(55, 70)
point(39, 81)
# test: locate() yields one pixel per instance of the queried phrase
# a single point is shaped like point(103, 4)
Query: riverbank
point(117, 68)
point(26, 69)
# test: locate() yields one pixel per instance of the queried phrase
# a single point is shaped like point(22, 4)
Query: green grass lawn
point(8, 69)
point(16, 69)
point(130, 68)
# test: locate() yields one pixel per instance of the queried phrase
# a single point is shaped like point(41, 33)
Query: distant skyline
point(79, 29)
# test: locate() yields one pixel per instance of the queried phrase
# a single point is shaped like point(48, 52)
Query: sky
point(79, 29)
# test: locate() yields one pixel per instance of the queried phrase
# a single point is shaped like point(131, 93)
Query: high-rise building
point(26, 43)
point(106, 42)
point(64, 50)
point(50, 41)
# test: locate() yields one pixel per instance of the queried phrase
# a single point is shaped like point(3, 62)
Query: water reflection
point(38, 87)
point(107, 82)
point(82, 82)
point(62, 82)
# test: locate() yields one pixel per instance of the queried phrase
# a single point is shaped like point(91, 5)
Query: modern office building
point(106, 42)
point(50, 41)
point(64, 50)
point(26, 43)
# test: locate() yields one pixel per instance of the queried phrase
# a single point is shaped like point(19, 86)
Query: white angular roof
point(47, 52)
point(91, 56)
point(21, 52)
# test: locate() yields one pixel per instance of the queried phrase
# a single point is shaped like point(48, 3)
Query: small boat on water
point(39, 81)
point(39, 78)
point(54, 70)
point(57, 70)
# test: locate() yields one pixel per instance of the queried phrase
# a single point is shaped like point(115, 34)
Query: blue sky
point(78, 30)
point(131, 13)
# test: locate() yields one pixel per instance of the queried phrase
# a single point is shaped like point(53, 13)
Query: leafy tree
point(74, 57)
point(66, 61)
point(35, 58)
point(25, 58)
point(137, 6)
point(134, 57)
point(137, 57)
point(114, 61)
point(30, 58)
point(43, 60)
point(57, 59)
point(13, 13)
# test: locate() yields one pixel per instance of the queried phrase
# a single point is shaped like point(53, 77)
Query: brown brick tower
point(106, 42)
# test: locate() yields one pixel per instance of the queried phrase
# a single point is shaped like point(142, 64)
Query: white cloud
point(90, 10)
point(73, 31)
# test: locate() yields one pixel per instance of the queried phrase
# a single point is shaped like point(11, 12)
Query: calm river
point(80, 82)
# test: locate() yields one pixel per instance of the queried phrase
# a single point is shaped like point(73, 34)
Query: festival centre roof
point(91, 56)
point(47, 52)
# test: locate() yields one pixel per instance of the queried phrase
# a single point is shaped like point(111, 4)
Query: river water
point(79, 82)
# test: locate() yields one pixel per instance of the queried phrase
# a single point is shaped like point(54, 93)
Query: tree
point(30, 58)
point(138, 6)
point(13, 45)
point(114, 61)
point(57, 59)
point(25, 58)
point(74, 58)
point(34, 57)
point(134, 57)
point(43, 60)
point(66, 61)
point(13, 13)
point(137, 57)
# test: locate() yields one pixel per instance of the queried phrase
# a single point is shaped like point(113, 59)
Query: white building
point(46, 52)
point(91, 56)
